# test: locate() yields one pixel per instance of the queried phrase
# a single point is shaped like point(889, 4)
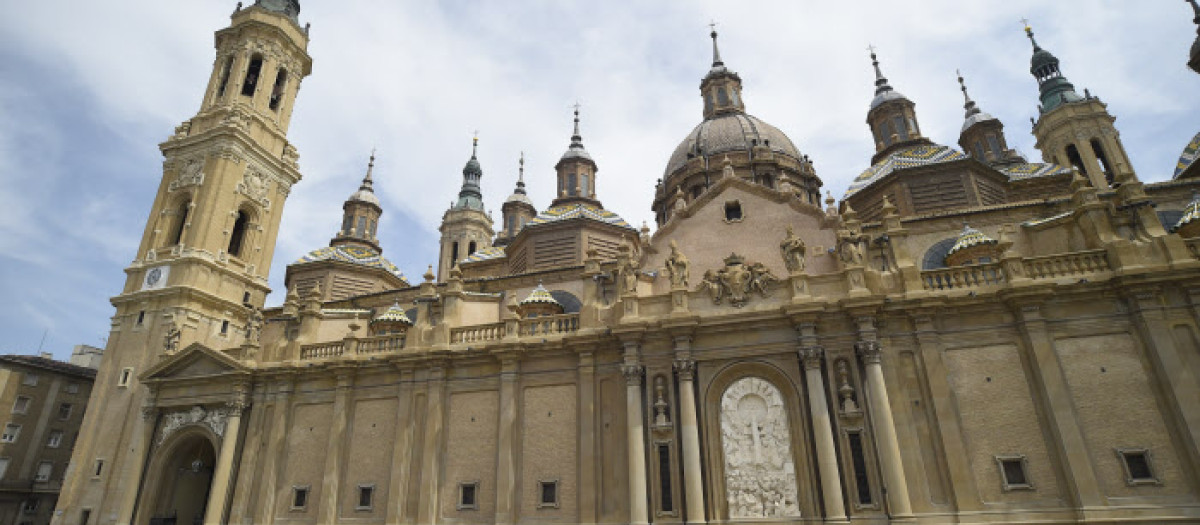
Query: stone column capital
point(812, 356)
point(149, 412)
point(685, 368)
point(869, 351)
point(633, 373)
point(235, 406)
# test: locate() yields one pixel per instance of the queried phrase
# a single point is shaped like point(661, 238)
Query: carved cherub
point(849, 249)
point(712, 284)
point(761, 278)
point(678, 267)
point(793, 251)
point(629, 278)
point(171, 339)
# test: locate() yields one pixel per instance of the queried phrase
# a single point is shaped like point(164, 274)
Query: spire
point(576, 149)
point(575, 137)
point(367, 183)
point(366, 190)
point(1029, 33)
point(1054, 87)
point(881, 82)
point(716, 52)
point(968, 104)
point(470, 196)
point(521, 175)
point(1194, 59)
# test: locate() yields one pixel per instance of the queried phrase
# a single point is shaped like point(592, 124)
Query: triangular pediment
point(194, 361)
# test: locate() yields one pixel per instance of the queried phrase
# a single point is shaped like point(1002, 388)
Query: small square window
point(733, 211)
point(55, 439)
point(366, 497)
point(64, 411)
point(21, 406)
point(44, 471)
point(1014, 472)
point(72, 388)
point(548, 494)
point(468, 495)
point(29, 506)
point(300, 497)
point(1139, 466)
point(126, 377)
point(11, 432)
point(30, 379)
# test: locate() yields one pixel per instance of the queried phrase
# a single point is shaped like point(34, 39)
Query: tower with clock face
point(200, 271)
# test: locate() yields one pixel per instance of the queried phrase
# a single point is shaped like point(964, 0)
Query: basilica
point(965, 335)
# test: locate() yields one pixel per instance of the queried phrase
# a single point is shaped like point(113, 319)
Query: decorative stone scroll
point(737, 280)
point(760, 476)
point(173, 421)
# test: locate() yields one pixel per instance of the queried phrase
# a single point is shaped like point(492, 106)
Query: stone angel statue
point(678, 267)
point(793, 250)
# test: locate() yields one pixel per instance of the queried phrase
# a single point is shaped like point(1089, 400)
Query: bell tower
point(1074, 130)
point(466, 227)
point(202, 263)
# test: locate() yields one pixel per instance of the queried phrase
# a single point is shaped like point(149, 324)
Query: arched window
point(252, 73)
point(722, 97)
point(471, 249)
point(583, 185)
point(238, 234)
point(224, 82)
point(181, 217)
point(453, 253)
point(1099, 151)
point(277, 91)
point(935, 256)
point(1074, 158)
point(512, 225)
point(361, 230)
point(571, 185)
point(995, 145)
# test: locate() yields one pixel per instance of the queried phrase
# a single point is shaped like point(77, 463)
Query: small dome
point(1190, 152)
point(359, 255)
point(519, 197)
point(540, 295)
point(976, 118)
point(365, 195)
point(1191, 213)
point(289, 8)
point(968, 238)
point(394, 314)
point(728, 133)
point(887, 96)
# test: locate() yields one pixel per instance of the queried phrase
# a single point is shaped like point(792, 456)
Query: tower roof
point(883, 90)
point(718, 65)
point(470, 196)
point(1054, 87)
point(576, 149)
point(289, 8)
point(518, 194)
point(973, 114)
point(366, 191)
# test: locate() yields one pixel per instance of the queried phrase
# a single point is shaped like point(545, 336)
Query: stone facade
point(759, 357)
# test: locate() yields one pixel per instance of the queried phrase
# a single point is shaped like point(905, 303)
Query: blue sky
point(89, 89)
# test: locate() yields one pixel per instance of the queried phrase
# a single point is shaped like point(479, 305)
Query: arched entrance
point(177, 483)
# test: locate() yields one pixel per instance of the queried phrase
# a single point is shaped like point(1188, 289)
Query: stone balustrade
point(549, 325)
point(478, 334)
point(1067, 264)
point(958, 277)
point(322, 350)
point(382, 344)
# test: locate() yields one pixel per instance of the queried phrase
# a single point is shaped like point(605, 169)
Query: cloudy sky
point(89, 89)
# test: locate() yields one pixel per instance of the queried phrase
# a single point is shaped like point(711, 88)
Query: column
point(633, 372)
point(693, 483)
point(885, 431)
point(427, 507)
point(140, 453)
point(218, 493)
point(587, 436)
point(402, 452)
point(281, 422)
point(1055, 396)
point(506, 443)
point(818, 406)
point(332, 481)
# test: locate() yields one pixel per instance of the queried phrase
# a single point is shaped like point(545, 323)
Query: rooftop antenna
point(44, 332)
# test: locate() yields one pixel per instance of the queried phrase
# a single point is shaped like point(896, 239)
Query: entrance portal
point(179, 485)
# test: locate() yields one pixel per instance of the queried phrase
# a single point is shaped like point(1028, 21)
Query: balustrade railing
point(478, 334)
point(381, 344)
point(1067, 264)
point(322, 350)
point(549, 325)
point(958, 277)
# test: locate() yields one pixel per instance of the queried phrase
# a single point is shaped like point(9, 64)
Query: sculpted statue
point(711, 284)
point(761, 278)
point(677, 267)
point(254, 324)
point(628, 277)
point(849, 249)
point(793, 251)
point(171, 339)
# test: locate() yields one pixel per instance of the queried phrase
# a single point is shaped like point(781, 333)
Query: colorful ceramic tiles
point(579, 210)
point(1190, 152)
point(353, 255)
point(923, 155)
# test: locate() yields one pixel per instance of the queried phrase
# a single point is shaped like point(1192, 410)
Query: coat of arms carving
point(737, 280)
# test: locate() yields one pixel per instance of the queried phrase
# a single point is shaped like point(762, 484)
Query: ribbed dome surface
point(728, 133)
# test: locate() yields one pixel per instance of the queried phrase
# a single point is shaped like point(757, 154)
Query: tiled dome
point(727, 133)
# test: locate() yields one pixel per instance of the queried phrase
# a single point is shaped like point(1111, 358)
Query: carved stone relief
point(197, 415)
point(254, 186)
point(737, 280)
point(760, 476)
point(190, 174)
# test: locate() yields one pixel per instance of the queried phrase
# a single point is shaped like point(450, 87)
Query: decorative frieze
point(737, 280)
point(214, 420)
point(760, 478)
point(254, 186)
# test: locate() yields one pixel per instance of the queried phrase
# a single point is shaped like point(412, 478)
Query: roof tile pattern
point(922, 155)
point(353, 255)
point(565, 212)
point(1190, 152)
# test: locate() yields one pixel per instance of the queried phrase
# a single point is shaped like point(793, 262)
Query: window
point(471, 248)
point(72, 388)
point(29, 379)
point(3, 467)
point(29, 506)
point(898, 122)
point(1139, 468)
point(733, 211)
point(98, 468)
point(252, 73)
point(21, 406)
point(1014, 472)
point(11, 432)
point(361, 230)
point(347, 222)
point(572, 188)
point(366, 496)
point(85, 516)
point(300, 497)
point(859, 461)
point(44, 471)
point(140, 320)
point(583, 185)
point(126, 377)
point(277, 91)
point(995, 145)
point(221, 86)
point(1099, 151)
point(453, 253)
point(548, 494)
point(722, 97)
point(238, 233)
point(64, 411)
point(181, 216)
point(246, 298)
point(512, 225)
point(468, 492)
point(225, 327)
point(666, 502)
point(55, 439)
point(1075, 160)
point(371, 233)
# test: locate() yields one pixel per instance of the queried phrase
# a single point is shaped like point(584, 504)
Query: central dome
point(727, 133)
